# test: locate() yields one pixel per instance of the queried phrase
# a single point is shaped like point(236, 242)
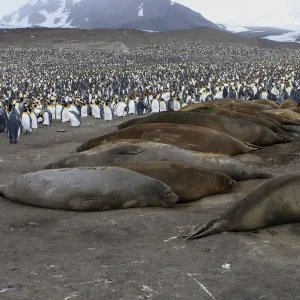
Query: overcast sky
point(233, 12)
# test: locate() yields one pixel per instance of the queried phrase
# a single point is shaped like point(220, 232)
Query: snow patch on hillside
point(285, 37)
point(236, 29)
point(141, 10)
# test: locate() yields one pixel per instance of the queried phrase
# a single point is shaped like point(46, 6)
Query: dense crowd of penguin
point(204, 103)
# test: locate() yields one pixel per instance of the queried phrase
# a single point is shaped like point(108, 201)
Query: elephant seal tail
point(209, 228)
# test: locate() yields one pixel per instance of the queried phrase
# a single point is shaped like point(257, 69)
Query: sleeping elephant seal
point(267, 102)
point(242, 130)
point(188, 183)
point(275, 202)
point(264, 114)
point(287, 104)
point(137, 151)
point(286, 113)
point(229, 102)
point(254, 119)
point(188, 137)
point(89, 189)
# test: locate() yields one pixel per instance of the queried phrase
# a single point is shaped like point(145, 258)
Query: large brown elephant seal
point(188, 183)
point(271, 117)
point(254, 119)
point(267, 102)
point(286, 113)
point(229, 102)
point(188, 137)
point(274, 202)
point(243, 130)
point(287, 104)
point(139, 151)
point(89, 189)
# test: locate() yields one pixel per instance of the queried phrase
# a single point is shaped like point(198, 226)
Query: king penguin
point(14, 127)
point(26, 121)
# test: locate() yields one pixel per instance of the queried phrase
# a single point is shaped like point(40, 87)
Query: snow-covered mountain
point(152, 15)
point(286, 34)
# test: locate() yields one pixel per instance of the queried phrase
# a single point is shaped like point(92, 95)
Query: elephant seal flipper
point(275, 202)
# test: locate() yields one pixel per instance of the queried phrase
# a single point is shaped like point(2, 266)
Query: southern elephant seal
point(188, 183)
point(288, 104)
point(271, 117)
point(286, 113)
point(89, 189)
point(228, 102)
point(257, 119)
point(275, 202)
point(137, 151)
point(266, 102)
point(195, 138)
point(243, 130)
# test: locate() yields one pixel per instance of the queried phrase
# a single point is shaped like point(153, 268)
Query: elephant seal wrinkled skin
point(254, 119)
point(242, 130)
point(195, 138)
point(274, 202)
point(139, 151)
point(288, 104)
point(229, 102)
point(266, 102)
point(188, 183)
point(89, 189)
point(286, 113)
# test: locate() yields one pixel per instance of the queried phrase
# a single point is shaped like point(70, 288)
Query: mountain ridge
point(151, 15)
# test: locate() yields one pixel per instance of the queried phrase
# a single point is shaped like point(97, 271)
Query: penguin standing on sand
point(65, 114)
point(58, 109)
point(26, 121)
point(3, 120)
point(13, 126)
point(107, 113)
point(34, 120)
point(74, 118)
point(47, 115)
point(96, 110)
point(131, 107)
point(155, 106)
point(84, 110)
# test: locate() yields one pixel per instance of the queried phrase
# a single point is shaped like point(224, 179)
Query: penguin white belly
point(34, 121)
point(58, 112)
point(162, 106)
point(65, 115)
point(121, 110)
point(96, 111)
point(84, 113)
point(131, 108)
point(73, 120)
point(107, 114)
point(155, 106)
point(26, 122)
point(53, 112)
point(177, 105)
point(46, 119)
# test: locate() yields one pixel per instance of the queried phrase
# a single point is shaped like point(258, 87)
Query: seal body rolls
point(89, 189)
point(240, 129)
point(188, 183)
point(274, 202)
point(195, 138)
point(136, 151)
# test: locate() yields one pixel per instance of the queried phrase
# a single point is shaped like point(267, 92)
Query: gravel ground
point(133, 254)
